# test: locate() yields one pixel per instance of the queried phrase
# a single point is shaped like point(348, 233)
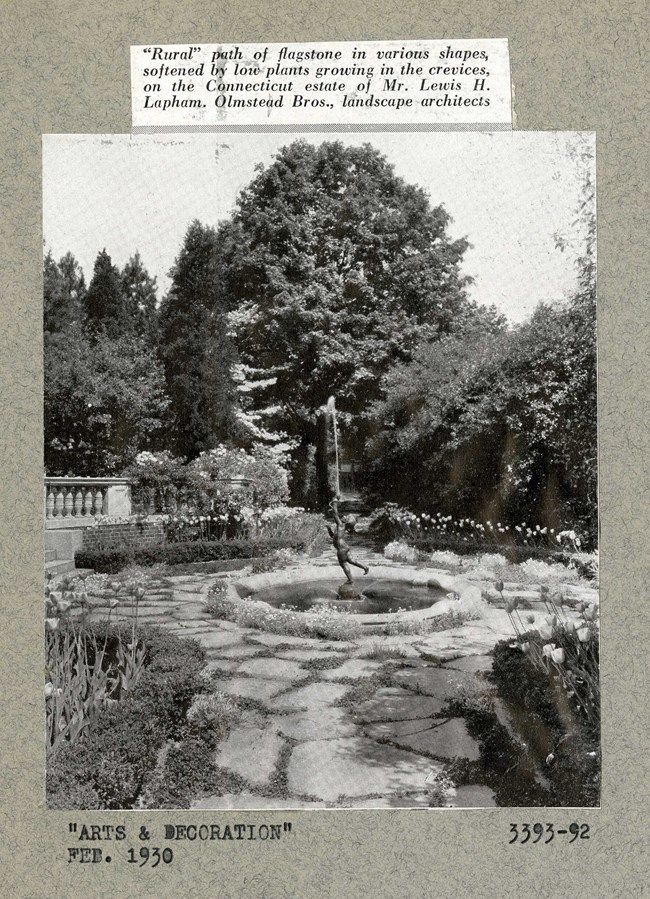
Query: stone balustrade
point(75, 502)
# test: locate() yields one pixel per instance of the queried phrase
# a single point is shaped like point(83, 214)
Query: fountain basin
point(387, 589)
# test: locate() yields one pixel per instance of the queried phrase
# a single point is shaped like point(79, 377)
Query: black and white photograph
point(321, 486)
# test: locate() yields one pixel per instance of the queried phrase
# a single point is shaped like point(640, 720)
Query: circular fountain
point(389, 589)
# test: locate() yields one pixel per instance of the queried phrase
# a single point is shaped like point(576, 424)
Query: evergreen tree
point(139, 289)
point(63, 293)
point(195, 348)
point(106, 307)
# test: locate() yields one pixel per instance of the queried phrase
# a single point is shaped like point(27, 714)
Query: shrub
point(214, 712)
point(109, 766)
point(291, 523)
point(182, 553)
point(400, 552)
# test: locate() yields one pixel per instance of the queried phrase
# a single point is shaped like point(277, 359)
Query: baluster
point(68, 503)
point(99, 501)
point(58, 503)
point(49, 503)
point(87, 501)
point(78, 502)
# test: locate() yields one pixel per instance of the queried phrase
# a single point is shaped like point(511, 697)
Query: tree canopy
point(334, 268)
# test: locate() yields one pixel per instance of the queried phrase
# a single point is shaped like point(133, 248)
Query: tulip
point(583, 634)
point(558, 656)
point(525, 647)
point(51, 623)
point(499, 586)
point(530, 619)
point(545, 632)
point(114, 602)
point(116, 587)
point(547, 649)
point(49, 689)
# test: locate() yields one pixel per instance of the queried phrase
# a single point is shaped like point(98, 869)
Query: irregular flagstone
point(232, 626)
point(474, 796)
point(187, 630)
point(317, 694)
point(251, 752)
point(471, 664)
point(220, 666)
point(143, 613)
point(275, 669)
point(326, 723)
point(431, 681)
point(249, 801)
point(353, 668)
point(273, 640)
point(447, 739)
point(355, 766)
point(189, 613)
point(241, 651)
point(216, 639)
point(253, 688)
point(396, 704)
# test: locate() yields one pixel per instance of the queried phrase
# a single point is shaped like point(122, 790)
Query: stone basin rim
point(431, 577)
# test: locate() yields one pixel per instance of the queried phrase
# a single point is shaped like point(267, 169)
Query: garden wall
point(126, 534)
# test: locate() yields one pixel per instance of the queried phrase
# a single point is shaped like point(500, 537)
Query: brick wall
point(119, 536)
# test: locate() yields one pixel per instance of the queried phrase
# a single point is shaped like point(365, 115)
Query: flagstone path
point(322, 724)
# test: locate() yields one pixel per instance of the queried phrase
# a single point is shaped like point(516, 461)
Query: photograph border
point(69, 72)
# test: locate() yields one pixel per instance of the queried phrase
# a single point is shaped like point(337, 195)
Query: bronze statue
point(341, 545)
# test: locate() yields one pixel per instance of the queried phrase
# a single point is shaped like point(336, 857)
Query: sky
point(508, 193)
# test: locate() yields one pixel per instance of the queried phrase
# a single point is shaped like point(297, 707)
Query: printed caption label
point(444, 84)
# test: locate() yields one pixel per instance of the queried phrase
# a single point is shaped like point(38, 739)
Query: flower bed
point(427, 532)
point(110, 766)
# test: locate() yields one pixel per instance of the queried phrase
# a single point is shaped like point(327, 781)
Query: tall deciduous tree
point(336, 269)
point(104, 403)
point(195, 348)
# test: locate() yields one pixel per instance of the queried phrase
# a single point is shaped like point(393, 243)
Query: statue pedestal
point(348, 591)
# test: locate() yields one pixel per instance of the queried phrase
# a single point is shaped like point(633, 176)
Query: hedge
point(113, 561)
point(109, 768)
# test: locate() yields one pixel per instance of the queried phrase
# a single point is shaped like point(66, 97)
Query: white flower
point(558, 655)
